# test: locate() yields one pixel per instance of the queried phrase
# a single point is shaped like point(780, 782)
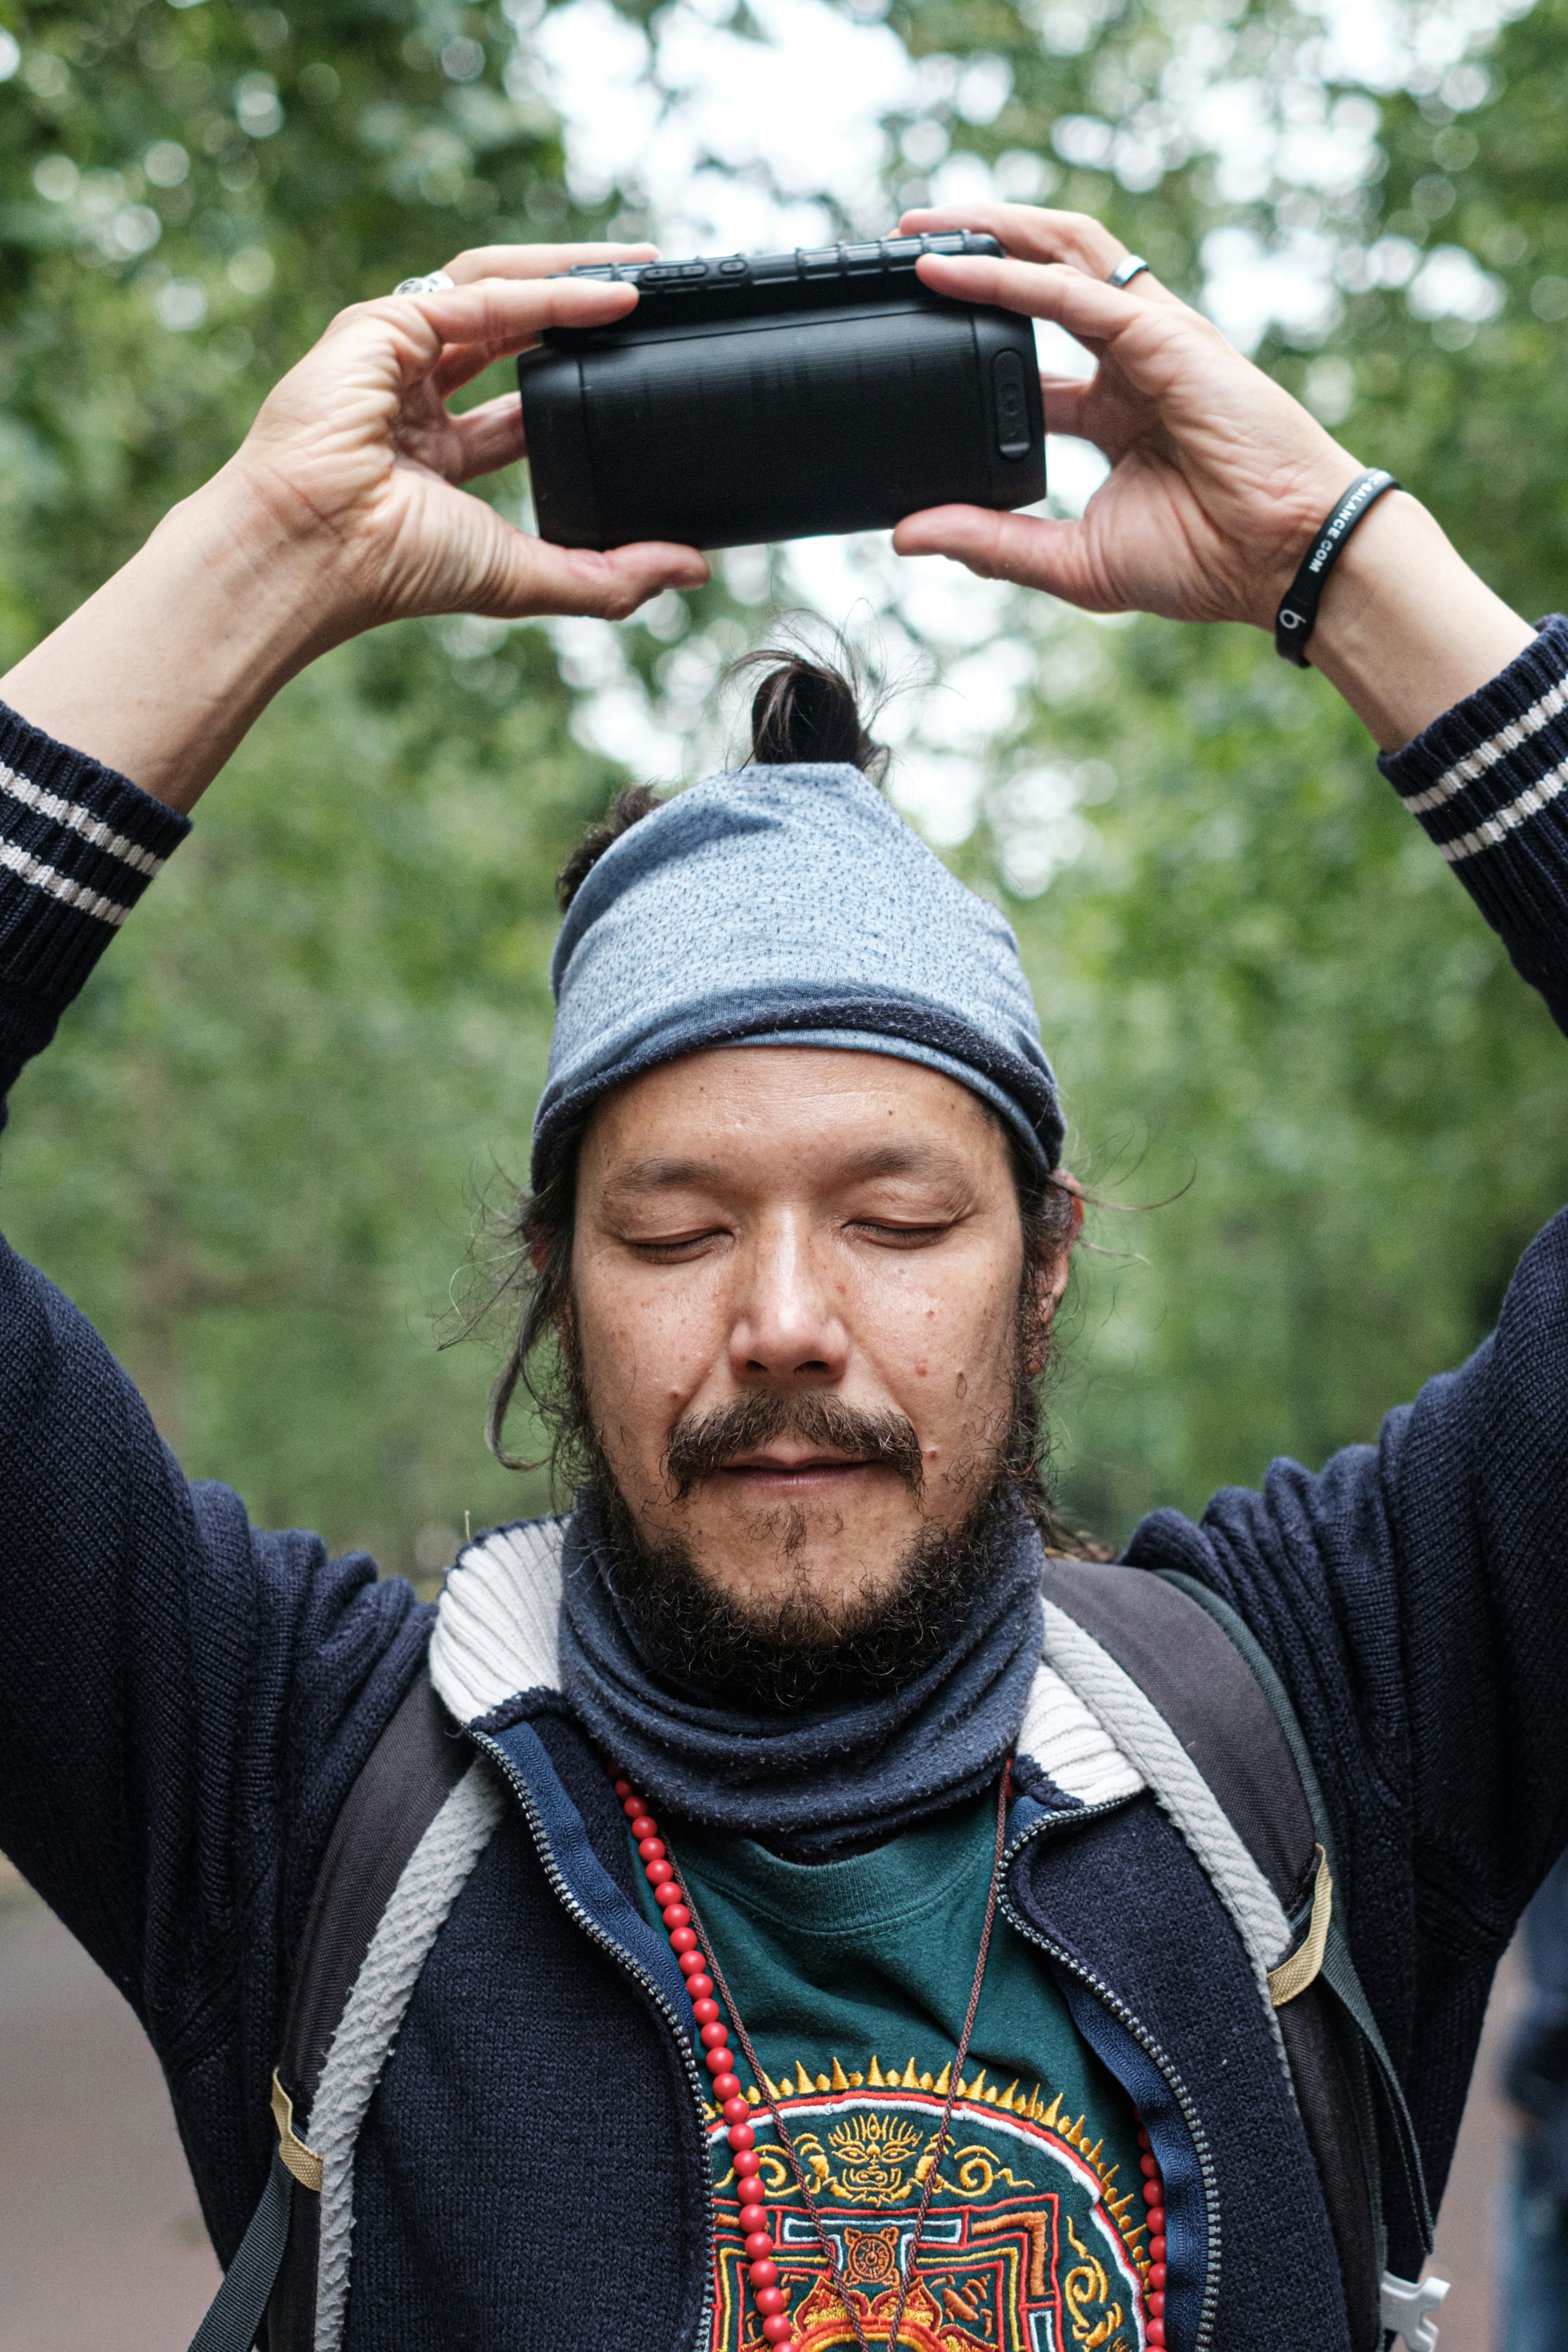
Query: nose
point(787, 1325)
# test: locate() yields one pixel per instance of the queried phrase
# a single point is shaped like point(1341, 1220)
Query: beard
point(804, 1649)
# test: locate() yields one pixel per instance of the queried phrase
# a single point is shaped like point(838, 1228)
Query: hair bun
point(802, 710)
point(806, 710)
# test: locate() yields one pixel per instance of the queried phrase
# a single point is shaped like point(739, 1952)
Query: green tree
point(253, 1155)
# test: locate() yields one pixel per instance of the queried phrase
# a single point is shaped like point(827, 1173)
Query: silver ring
point(436, 281)
point(1122, 274)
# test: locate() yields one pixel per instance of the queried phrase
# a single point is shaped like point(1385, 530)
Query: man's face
point(795, 1225)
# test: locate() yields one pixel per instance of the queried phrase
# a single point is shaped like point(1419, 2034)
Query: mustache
point(805, 1650)
point(702, 1444)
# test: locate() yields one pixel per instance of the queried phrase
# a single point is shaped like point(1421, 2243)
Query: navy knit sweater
point(187, 1699)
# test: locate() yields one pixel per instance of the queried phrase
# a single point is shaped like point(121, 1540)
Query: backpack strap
point(1338, 1967)
point(400, 1789)
point(434, 1876)
point(1205, 1675)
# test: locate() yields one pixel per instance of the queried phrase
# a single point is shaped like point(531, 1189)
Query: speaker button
point(1008, 391)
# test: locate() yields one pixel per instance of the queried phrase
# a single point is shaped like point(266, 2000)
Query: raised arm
point(1413, 1595)
point(342, 508)
point(187, 1699)
point(1219, 484)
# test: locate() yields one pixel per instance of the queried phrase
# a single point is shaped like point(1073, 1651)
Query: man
point(852, 2031)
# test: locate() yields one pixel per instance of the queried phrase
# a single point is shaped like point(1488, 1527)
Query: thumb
point(1034, 553)
point(541, 578)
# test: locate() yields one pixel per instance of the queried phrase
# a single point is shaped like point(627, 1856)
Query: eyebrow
point(641, 1176)
point(903, 1160)
point(662, 1175)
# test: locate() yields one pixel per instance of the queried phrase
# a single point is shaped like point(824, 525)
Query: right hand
point(356, 454)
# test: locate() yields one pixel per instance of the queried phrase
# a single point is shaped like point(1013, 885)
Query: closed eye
point(900, 1237)
point(677, 1250)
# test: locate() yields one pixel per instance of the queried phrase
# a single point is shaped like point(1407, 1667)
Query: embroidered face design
point(875, 2159)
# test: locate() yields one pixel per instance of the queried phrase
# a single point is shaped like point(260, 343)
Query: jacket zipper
point(1146, 2042)
point(584, 1919)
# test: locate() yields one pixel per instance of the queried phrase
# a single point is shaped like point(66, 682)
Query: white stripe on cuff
point(81, 820)
point(1497, 828)
point(44, 878)
point(1496, 747)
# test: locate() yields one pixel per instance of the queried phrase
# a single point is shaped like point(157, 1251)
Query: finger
point(504, 312)
point(538, 261)
point(489, 437)
point(1054, 556)
point(501, 315)
point(1091, 312)
point(1067, 401)
point(1030, 231)
point(1103, 413)
point(546, 579)
point(459, 364)
point(1034, 233)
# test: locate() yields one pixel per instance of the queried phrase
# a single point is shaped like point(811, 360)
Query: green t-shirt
point(852, 1978)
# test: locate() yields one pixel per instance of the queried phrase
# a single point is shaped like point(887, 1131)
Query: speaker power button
point(1012, 404)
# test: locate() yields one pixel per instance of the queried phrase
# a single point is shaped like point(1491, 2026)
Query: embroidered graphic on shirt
point(1031, 2244)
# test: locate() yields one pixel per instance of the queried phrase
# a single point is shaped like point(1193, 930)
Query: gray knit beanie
point(786, 906)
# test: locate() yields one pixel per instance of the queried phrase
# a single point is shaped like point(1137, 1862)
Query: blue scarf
point(824, 1777)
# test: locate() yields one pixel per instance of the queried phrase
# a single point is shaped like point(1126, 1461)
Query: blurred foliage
point(254, 1153)
point(186, 197)
point(1269, 999)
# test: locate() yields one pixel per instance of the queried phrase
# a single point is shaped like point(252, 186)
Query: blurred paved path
point(101, 2249)
point(1464, 2252)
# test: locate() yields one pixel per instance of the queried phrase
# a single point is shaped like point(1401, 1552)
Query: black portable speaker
point(776, 395)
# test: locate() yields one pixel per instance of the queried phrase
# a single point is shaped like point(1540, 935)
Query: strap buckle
point(301, 2161)
point(1406, 2305)
point(1293, 1976)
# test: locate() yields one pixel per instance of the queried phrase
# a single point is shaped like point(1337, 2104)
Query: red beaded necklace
point(1154, 2220)
point(702, 1975)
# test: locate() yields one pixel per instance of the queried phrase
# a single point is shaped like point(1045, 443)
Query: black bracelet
point(1297, 616)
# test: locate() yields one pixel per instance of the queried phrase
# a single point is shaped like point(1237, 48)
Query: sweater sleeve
point(1488, 781)
point(78, 844)
point(184, 1700)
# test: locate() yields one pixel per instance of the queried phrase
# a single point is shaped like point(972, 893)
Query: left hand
point(343, 507)
point(1218, 478)
point(357, 460)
